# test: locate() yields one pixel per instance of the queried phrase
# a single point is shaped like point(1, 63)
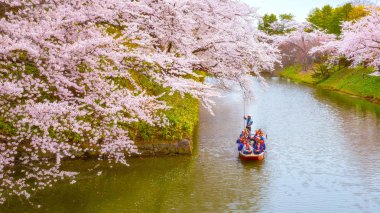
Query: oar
point(244, 110)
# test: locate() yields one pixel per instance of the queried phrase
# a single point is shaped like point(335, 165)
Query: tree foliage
point(330, 19)
point(295, 45)
point(358, 43)
point(272, 25)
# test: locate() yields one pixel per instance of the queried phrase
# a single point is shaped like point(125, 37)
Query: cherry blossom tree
point(58, 90)
point(295, 45)
point(62, 61)
point(359, 42)
point(219, 37)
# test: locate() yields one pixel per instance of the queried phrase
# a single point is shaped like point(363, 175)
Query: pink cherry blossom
point(59, 61)
point(359, 41)
point(296, 45)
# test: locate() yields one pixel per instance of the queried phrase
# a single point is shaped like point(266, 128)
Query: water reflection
point(230, 184)
point(339, 145)
point(360, 126)
point(361, 107)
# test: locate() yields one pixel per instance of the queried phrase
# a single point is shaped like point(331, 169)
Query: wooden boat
point(251, 156)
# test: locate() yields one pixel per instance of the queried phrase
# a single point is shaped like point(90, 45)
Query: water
point(323, 156)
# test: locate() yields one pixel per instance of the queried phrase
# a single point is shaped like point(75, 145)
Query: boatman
point(249, 122)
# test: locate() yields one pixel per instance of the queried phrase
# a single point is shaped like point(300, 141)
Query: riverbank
point(352, 81)
point(172, 139)
point(176, 138)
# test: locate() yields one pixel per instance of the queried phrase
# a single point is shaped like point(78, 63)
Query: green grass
point(354, 81)
point(296, 74)
point(182, 117)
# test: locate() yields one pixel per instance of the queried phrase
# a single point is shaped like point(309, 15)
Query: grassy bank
point(296, 74)
point(182, 117)
point(353, 81)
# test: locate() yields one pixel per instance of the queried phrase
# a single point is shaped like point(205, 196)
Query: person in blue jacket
point(259, 147)
point(242, 139)
point(249, 122)
point(240, 145)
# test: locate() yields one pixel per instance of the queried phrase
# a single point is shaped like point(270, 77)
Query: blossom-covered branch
point(62, 61)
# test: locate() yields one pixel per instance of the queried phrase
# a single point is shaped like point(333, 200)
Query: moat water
point(323, 155)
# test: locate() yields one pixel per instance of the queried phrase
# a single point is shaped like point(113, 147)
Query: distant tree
point(272, 25)
point(286, 16)
point(266, 22)
point(295, 45)
point(330, 19)
point(320, 17)
point(357, 12)
point(340, 14)
point(359, 42)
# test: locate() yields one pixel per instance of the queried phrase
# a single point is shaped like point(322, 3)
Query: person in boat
point(259, 147)
point(249, 122)
point(247, 135)
point(240, 146)
point(247, 148)
point(243, 133)
point(256, 137)
point(259, 135)
point(242, 139)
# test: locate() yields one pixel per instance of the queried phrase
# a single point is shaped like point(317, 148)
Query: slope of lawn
point(354, 81)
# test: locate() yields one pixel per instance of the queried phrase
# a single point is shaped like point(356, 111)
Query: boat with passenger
point(251, 147)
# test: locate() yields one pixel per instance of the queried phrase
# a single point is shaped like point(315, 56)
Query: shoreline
point(182, 147)
point(345, 81)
